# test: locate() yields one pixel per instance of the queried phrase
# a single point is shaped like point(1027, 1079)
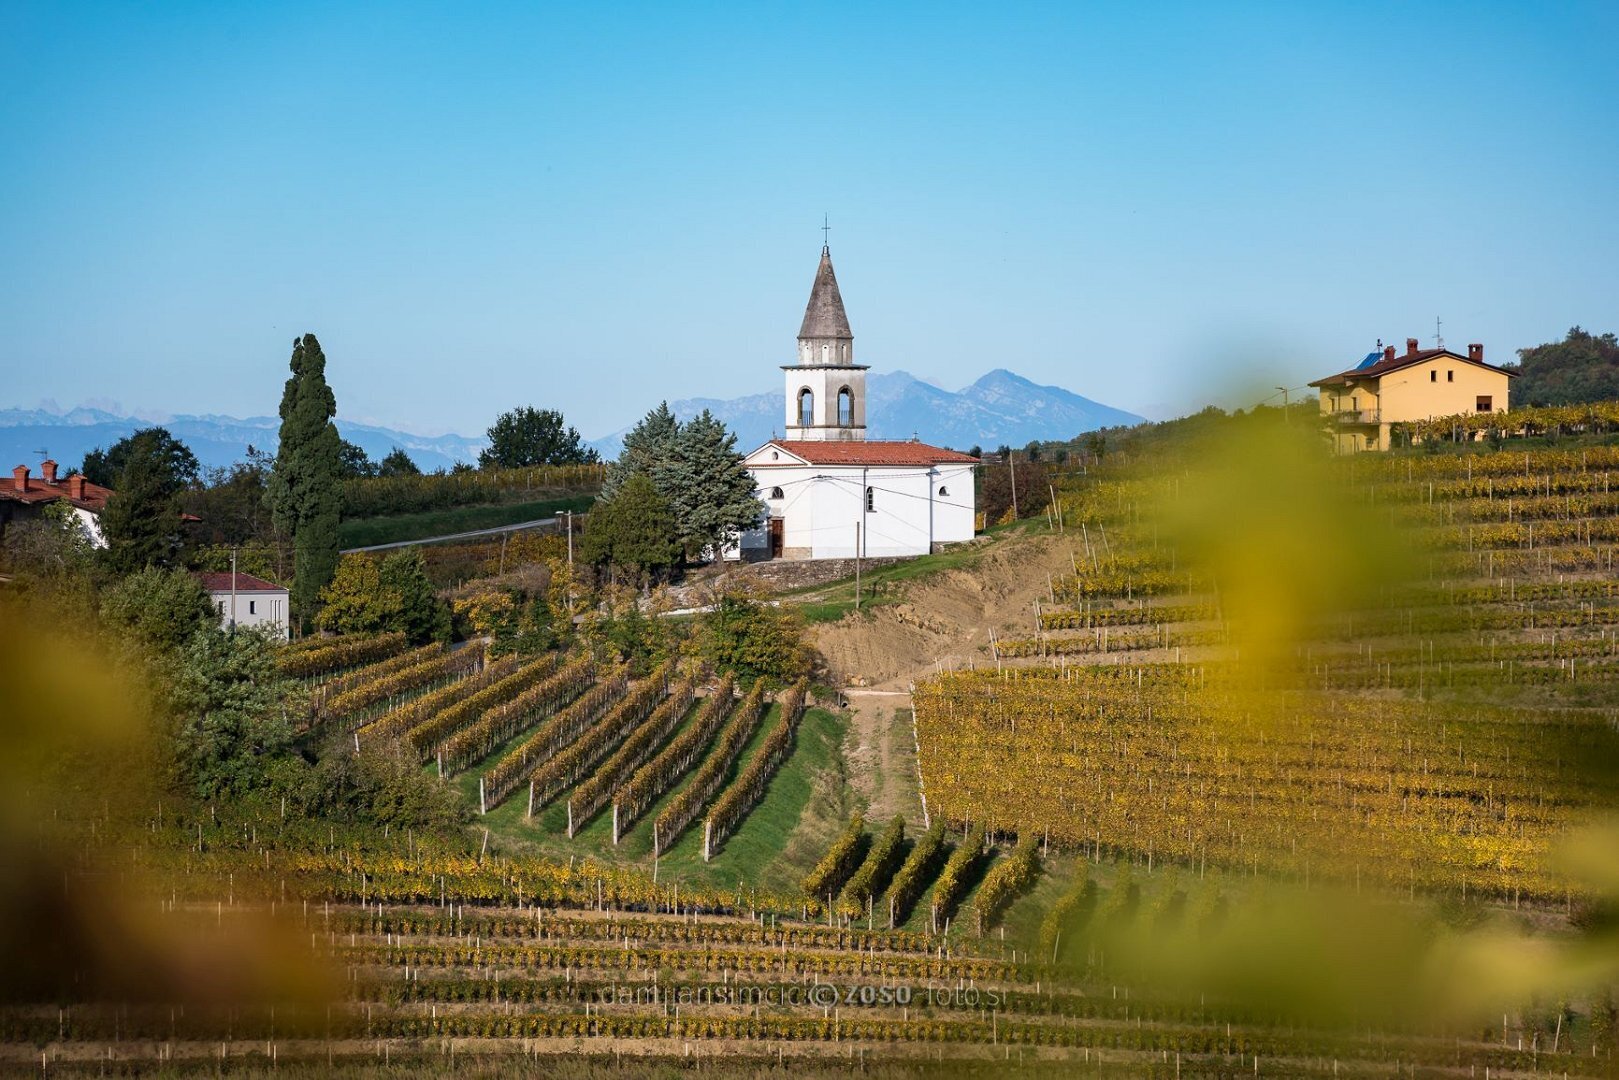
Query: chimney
point(19, 478)
point(1410, 346)
point(1475, 352)
point(47, 469)
point(1388, 352)
point(75, 486)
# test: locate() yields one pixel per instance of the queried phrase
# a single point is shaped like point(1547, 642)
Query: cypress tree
point(305, 493)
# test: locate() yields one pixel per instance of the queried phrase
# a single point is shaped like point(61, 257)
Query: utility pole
point(233, 589)
point(1011, 463)
point(1285, 416)
point(857, 566)
point(569, 515)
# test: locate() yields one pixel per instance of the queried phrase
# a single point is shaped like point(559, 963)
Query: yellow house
point(1392, 388)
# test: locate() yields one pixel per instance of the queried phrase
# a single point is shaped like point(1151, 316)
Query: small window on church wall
point(806, 408)
point(824, 353)
point(944, 492)
point(871, 501)
point(845, 407)
point(775, 493)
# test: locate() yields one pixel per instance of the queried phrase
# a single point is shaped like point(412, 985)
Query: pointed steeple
point(824, 317)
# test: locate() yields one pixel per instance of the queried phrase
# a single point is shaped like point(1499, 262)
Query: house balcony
point(1352, 417)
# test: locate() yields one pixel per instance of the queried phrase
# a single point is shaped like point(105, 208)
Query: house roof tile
point(218, 581)
point(869, 452)
point(1403, 360)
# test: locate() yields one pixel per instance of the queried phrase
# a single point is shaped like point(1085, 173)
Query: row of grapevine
point(631, 754)
point(1007, 880)
point(428, 736)
point(954, 878)
point(1066, 910)
point(568, 765)
point(480, 738)
point(666, 768)
point(838, 863)
point(375, 496)
point(352, 706)
point(401, 718)
point(559, 731)
point(868, 881)
point(685, 807)
point(340, 684)
point(338, 654)
point(915, 874)
point(734, 803)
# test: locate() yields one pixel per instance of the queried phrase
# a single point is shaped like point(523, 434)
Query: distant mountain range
point(216, 440)
point(999, 408)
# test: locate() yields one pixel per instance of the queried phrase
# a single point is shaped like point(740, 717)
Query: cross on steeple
point(826, 227)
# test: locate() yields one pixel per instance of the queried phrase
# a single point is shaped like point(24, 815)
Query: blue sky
point(597, 206)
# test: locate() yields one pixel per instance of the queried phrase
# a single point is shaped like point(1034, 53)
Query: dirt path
point(881, 751)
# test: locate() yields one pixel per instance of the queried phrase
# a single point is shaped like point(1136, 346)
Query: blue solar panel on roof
point(1371, 358)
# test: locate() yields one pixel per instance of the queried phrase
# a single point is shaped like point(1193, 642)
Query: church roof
point(824, 316)
point(867, 452)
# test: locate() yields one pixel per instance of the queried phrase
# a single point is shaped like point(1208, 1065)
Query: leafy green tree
point(397, 463)
point(229, 723)
point(352, 462)
point(159, 609)
point(754, 640)
point(1582, 367)
point(530, 436)
point(648, 449)
point(635, 531)
point(1033, 490)
point(231, 501)
point(422, 616)
point(104, 466)
point(370, 596)
point(383, 786)
point(142, 519)
point(52, 562)
point(305, 491)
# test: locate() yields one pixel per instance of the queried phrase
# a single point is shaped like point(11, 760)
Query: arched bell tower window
point(806, 408)
point(845, 407)
point(775, 493)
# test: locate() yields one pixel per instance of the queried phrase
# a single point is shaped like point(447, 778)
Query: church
point(832, 493)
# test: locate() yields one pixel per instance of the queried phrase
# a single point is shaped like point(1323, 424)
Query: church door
point(778, 536)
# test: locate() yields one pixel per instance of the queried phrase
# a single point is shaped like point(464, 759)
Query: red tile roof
point(35, 490)
point(219, 582)
point(1401, 360)
point(869, 452)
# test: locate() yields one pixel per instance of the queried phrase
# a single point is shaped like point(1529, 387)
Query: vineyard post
point(615, 823)
point(708, 832)
point(857, 566)
point(483, 803)
point(530, 813)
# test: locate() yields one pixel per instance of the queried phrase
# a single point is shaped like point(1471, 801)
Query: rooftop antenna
point(826, 227)
point(1438, 339)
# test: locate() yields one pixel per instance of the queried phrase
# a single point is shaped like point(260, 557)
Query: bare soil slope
point(945, 617)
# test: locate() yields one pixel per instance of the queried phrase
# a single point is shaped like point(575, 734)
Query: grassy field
point(364, 532)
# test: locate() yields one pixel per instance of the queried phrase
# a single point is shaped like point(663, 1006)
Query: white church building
point(831, 493)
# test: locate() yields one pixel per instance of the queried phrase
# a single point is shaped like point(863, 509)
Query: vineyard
point(1441, 731)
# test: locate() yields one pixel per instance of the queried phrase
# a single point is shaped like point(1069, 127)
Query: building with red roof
point(26, 496)
point(1390, 387)
point(244, 600)
point(828, 491)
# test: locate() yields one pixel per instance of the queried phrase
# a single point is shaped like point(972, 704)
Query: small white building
point(244, 600)
point(830, 492)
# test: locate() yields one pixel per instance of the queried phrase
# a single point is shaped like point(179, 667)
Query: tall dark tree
point(530, 436)
point(305, 488)
point(103, 466)
point(142, 519)
point(713, 496)
point(648, 449)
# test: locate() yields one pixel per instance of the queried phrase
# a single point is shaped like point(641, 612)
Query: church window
point(806, 408)
point(845, 407)
point(944, 492)
point(871, 500)
point(775, 493)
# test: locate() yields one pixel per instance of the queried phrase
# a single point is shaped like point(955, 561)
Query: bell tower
point(825, 389)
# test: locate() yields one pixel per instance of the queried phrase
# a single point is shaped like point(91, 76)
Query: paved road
point(519, 527)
